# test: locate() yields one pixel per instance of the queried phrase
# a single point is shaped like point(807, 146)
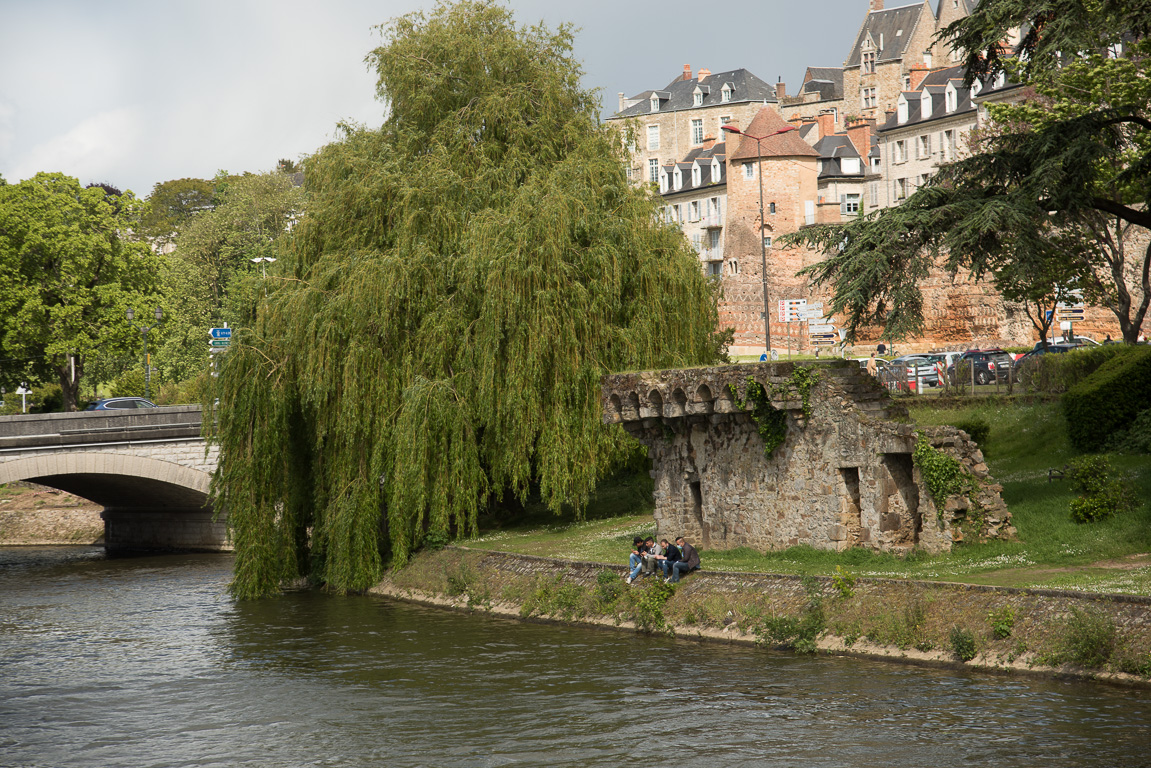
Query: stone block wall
point(842, 477)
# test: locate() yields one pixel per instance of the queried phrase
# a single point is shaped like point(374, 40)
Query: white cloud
point(93, 150)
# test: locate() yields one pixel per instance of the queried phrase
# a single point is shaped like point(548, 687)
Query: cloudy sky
point(134, 92)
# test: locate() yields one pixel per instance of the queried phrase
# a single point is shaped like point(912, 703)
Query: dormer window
point(655, 103)
point(868, 61)
point(697, 99)
point(715, 171)
point(925, 105)
point(901, 109)
point(663, 182)
point(677, 179)
point(696, 175)
point(976, 87)
point(725, 94)
point(1000, 79)
point(951, 98)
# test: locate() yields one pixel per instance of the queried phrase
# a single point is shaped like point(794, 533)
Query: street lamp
point(263, 261)
point(143, 329)
point(762, 224)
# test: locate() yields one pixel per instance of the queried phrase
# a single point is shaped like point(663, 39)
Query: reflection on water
point(148, 662)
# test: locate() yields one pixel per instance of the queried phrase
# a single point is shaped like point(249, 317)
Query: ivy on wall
point(944, 475)
point(771, 422)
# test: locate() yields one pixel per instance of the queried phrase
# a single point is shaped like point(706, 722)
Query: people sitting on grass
point(689, 560)
point(673, 559)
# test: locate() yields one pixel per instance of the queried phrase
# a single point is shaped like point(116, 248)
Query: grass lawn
point(1025, 441)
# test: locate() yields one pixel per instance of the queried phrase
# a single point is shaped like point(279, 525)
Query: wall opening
point(850, 509)
point(903, 499)
point(697, 512)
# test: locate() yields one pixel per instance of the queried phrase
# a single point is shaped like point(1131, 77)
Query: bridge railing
point(89, 426)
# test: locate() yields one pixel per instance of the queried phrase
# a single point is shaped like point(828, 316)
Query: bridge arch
point(114, 479)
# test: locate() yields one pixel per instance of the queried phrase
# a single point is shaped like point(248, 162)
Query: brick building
point(667, 124)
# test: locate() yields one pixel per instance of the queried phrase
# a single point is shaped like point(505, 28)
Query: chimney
point(781, 90)
point(686, 71)
point(918, 72)
point(703, 73)
point(796, 120)
point(859, 131)
point(826, 122)
point(708, 141)
point(876, 5)
point(889, 113)
point(621, 107)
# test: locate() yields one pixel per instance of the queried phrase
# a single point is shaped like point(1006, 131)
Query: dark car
point(1050, 349)
point(988, 364)
point(120, 404)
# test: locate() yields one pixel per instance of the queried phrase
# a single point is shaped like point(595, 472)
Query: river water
point(147, 662)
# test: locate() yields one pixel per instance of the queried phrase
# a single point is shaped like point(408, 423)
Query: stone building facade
point(694, 192)
point(878, 66)
point(843, 476)
point(667, 124)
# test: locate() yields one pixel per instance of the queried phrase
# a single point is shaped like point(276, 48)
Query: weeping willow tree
point(442, 314)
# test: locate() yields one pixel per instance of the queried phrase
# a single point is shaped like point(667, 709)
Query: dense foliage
point(1109, 400)
point(69, 268)
point(462, 278)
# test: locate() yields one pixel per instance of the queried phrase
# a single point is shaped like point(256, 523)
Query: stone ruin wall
point(843, 477)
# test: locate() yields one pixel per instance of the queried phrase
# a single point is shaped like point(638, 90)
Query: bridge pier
point(134, 531)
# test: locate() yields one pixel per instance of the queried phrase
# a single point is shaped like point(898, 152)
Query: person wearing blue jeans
point(635, 559)
point(668, 558)
point(689, 560)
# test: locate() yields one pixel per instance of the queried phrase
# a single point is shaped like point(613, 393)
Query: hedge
point(1108, 401)
point(1055, 373)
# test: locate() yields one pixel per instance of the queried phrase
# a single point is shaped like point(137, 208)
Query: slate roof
point(886, 24)
point(680, 94)
point(789, 144)
point(704, 156)
point(832, 149)
point(826, 81)
point(935, 84)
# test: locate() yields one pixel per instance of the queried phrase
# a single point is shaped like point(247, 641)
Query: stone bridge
point(149, 469)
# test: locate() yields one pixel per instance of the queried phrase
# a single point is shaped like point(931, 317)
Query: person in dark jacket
point(669, 557)
point(689, 560)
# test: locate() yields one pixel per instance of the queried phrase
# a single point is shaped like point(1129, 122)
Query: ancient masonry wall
point(843, 476)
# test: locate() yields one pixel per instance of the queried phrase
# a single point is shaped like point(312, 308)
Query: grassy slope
point(1025, 441)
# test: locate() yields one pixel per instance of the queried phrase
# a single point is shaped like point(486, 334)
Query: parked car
point(1070, 341)
point(1050, 349)
point(120, 404)
point(988, 364)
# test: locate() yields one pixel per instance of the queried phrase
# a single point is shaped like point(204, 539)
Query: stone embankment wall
point(906, 621)
point(33, 514)
point(843, 476)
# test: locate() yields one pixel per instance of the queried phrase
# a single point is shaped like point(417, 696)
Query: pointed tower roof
point(765, 123)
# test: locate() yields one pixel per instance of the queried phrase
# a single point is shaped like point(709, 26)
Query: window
point(715, 269)
point(713, 239)
point(901, 189)
point(694, 208)
point(725, 120)
point(631, 173)
point(948, 145)
point(652, 137)
point(725, 94)
point(771, 208)
point(950, 97)
point(907, 82)
point(697, 131)
point(696, 175)
point(653, 170)
point(875, 163)
point(924, 146)
point(697, 242)
point(654, 103)
point(849, 204)
point(873, 193)
point(767, 241)
point(677, 178)
point(749, 170)
point(901, 110)
point(849, 164)
point(733, 267)
point(697, 101)
point(678, 216)
point(869, 61)
point(901, 151)
point(716, 171)
point(868, 97)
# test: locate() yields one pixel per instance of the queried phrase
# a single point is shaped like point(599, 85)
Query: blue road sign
point(221, 333)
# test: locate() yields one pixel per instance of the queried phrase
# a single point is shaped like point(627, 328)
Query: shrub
point(962, 643)
point(648, 616)
point(1088, 638)
point(844, 582)
point(1137, 438)
point(1002, 622)
point(1056, 373)
point(976, 428)
point(1108, 401)
point(1103, 494)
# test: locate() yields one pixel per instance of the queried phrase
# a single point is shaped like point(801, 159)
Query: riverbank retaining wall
point(910, 621)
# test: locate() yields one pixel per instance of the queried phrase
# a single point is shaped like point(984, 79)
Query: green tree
point(173, 205)
point(462, 278)
point(68, 270)
point(1051, 193)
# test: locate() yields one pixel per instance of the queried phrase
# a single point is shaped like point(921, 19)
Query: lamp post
point(143, 329)
point(263, 261)
point(762, 224)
